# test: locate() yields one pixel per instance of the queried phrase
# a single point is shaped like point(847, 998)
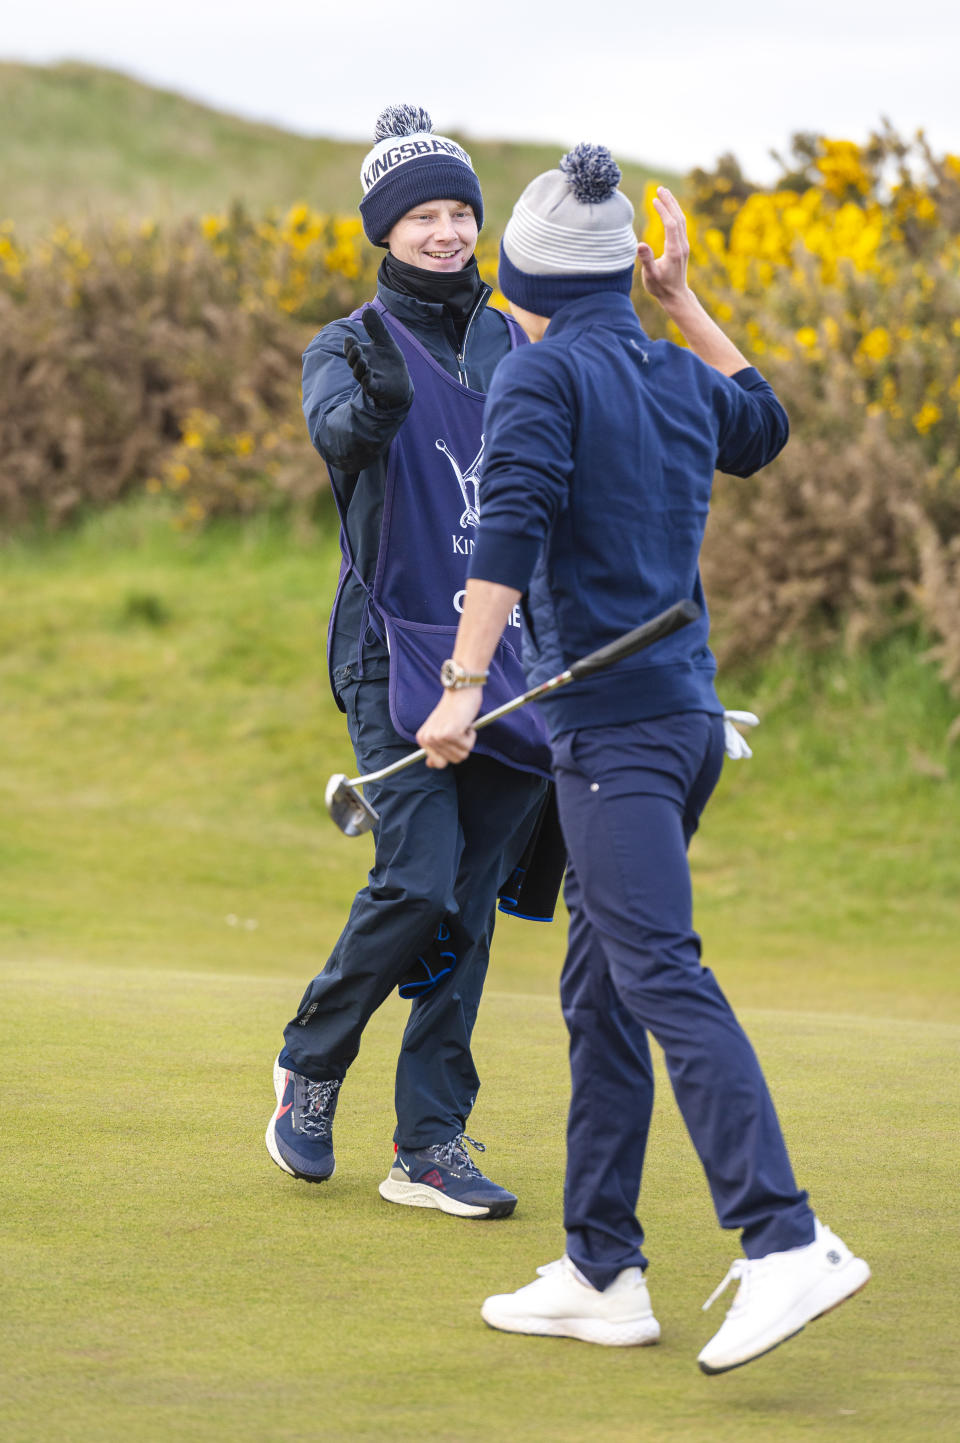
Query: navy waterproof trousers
point(445, 843)
point(630, 799)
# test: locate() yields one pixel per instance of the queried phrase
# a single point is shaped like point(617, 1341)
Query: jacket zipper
point(463, 349)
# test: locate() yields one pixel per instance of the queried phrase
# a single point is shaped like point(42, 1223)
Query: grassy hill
point(83, 141)
point(170, 882)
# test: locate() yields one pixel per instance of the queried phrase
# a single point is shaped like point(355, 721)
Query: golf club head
point(347, 807)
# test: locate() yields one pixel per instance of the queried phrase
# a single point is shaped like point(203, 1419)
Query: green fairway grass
point(170, 881)
point(164, 1280)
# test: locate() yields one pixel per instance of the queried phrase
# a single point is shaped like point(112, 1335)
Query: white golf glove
point(734, 744)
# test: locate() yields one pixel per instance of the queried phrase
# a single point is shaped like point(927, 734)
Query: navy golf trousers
point(630, 799)
point(445, 842)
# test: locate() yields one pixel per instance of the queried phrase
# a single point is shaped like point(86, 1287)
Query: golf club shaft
point(669, 621)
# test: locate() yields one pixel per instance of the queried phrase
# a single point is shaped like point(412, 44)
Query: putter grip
point(676, 616)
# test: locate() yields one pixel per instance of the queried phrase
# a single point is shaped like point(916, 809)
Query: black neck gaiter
point(457, 290)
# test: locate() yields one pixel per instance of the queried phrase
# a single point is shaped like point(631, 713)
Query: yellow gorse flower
point(852, 264)
point(842, 169)
point(927, 417)
point(876, 344)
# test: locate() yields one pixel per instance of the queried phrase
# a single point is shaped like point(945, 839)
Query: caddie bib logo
point(469, 483)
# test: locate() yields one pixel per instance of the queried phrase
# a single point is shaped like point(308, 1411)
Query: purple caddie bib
point(431, 510)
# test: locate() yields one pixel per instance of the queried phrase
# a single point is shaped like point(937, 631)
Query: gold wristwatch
point(454, 677)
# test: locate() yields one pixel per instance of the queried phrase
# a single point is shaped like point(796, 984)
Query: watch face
point(454, 677)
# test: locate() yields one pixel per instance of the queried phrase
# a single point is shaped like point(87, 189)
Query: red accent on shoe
point(286, 1106)
point(433, 1179)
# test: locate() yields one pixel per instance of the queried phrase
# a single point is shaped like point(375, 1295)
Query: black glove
point(378, 364)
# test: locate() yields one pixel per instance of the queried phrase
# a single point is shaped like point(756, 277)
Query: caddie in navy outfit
point(601, 451)
point(393, 397)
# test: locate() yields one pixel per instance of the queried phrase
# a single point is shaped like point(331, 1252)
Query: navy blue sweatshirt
point(601, 446)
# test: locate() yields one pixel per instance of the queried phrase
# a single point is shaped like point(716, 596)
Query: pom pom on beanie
point(396, 120)
point(592, 173)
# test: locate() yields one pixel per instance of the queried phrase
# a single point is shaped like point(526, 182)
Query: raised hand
point(378, 363)
point(665, 276)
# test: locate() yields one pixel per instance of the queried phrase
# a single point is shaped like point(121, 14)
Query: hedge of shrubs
point(168, 358)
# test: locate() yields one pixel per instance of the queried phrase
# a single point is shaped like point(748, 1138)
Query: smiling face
point(439, 235)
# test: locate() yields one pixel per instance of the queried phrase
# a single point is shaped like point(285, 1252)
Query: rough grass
point(80, 140)
point(170, 882)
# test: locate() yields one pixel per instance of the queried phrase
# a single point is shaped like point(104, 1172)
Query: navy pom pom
point(401, 120)
point(592, 173)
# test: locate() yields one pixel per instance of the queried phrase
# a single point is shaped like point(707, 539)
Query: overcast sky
point(669, 84)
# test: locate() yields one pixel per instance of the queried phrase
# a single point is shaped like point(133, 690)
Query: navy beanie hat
point(570, 235)
point(409, 165)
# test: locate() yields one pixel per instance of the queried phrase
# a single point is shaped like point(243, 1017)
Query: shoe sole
point(418, 1195)
point(270, 1137)
point(713, 1371)
point(635, 1333)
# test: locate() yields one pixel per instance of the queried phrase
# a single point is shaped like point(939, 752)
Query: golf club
point(353, 815)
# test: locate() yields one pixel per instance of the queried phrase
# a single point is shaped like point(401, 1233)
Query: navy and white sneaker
point(444, 1176)
point(300, 1132)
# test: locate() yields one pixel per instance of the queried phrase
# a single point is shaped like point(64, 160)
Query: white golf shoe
point(778, 1295)
point(562, 1304)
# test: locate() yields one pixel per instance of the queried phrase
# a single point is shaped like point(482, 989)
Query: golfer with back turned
point(393, 397)
point(601, 450)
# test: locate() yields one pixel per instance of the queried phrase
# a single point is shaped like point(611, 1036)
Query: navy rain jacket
point(601, 447)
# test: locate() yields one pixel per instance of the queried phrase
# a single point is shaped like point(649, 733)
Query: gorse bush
point(843, 285)
point(169, 358)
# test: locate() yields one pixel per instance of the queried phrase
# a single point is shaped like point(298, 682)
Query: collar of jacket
point(607, 308)
point(427, 315)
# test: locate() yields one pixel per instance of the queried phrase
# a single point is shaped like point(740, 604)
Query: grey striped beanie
point(571, 233)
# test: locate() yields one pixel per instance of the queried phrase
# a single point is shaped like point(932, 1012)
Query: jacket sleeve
point(753, 426)
point(346, 428)
point(528, 425)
